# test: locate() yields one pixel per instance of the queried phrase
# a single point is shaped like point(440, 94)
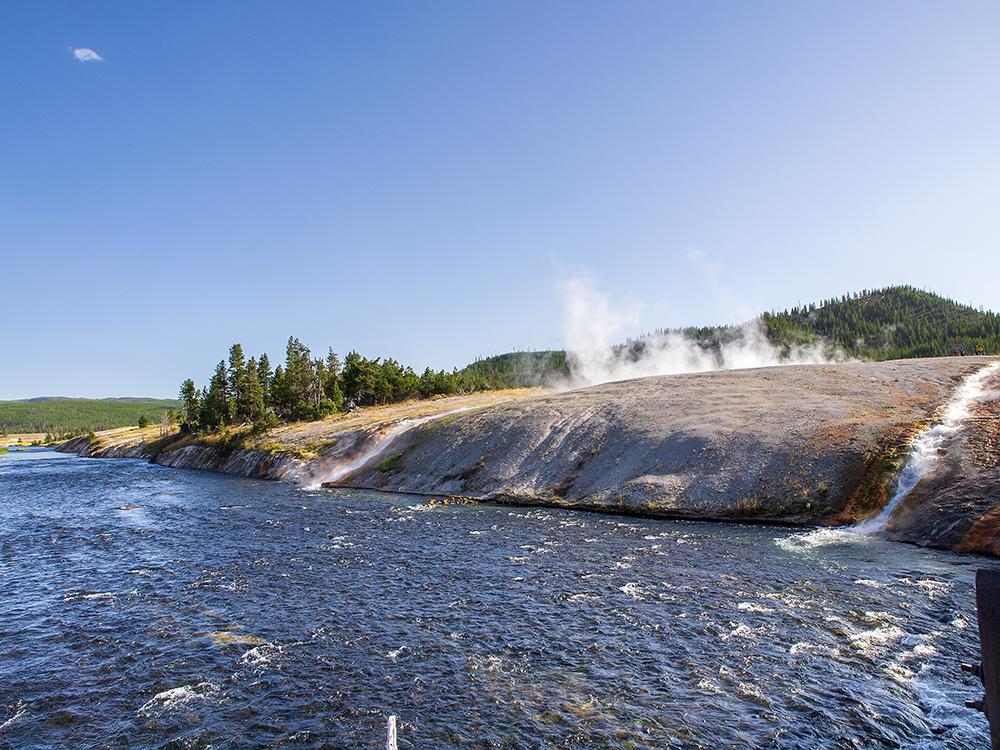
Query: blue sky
point(417, 180)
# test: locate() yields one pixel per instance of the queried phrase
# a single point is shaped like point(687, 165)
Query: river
point(149, 607)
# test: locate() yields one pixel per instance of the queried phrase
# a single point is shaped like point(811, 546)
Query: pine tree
point(254, 404)
point(238, 385)
point(332, 363)
point(215, 409)
point(300, 376)
point(192, 405)
point(264, 376)
point(278, 391)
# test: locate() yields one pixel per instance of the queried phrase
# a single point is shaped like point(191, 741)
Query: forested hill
point(67, 415)
point(891, 323)
point(517, 370)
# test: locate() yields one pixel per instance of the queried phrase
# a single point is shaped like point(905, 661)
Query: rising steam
point(591, 323)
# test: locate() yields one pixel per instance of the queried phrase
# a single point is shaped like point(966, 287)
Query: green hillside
point(515, 370)
point(892, 323)
point(62, 415)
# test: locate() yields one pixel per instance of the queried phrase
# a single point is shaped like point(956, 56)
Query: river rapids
point(147, 607)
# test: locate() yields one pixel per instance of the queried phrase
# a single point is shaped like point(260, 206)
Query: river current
point(159, 608)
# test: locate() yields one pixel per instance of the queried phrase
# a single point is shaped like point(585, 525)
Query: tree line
point(305, 388)
point(897, 322)
point(518, 370)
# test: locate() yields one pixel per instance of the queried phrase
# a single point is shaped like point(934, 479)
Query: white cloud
point(83, 54)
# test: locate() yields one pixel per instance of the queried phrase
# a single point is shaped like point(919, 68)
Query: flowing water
point(928, 445)
point(158, 608)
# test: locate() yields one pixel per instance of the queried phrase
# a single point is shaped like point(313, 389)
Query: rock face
point(246, 463)
point(105, 448)
point(957, 505)
point(243, 463)
point(811, 444)
point(797, 444)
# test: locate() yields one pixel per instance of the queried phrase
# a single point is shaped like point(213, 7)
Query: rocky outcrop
point(957, 505)
point(104, 448)
point(809, 444)
point(243, 463)
point(133, 444)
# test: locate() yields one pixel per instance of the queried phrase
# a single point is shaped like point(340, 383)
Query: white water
point(928, 445)
point(379, 448)
point(926, 450)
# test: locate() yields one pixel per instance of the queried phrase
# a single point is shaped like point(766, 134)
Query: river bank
point(807, 444)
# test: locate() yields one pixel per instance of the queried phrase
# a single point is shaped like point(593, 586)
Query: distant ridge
point(517, 370)
point(123, 399)
point(60, 415)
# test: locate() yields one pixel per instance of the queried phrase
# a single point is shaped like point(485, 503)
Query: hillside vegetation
point(74, 415)
point(516, 370)
point(891, 323)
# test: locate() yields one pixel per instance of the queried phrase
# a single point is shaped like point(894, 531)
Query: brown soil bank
point(798, 444)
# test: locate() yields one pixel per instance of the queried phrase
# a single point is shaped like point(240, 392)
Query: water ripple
point(230, 613)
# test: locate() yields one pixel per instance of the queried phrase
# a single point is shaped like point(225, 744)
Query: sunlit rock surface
point(798, 444)
point(957, 505)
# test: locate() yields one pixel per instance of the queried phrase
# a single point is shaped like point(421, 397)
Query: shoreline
point(795, 445)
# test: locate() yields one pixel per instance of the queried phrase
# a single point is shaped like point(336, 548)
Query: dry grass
point(21, 438)
point(306, 436)
point(129, 435)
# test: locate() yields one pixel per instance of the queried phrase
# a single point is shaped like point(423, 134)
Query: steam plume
point(591, 323)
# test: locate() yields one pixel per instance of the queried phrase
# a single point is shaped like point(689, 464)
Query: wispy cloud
point(723, 296)
point(85, 55)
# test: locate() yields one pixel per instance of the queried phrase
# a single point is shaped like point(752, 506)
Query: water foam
point(179, 698)
point(404, 425)
point(824, 537)
point(22, 709)
point(928, 445)
point(926, 450)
